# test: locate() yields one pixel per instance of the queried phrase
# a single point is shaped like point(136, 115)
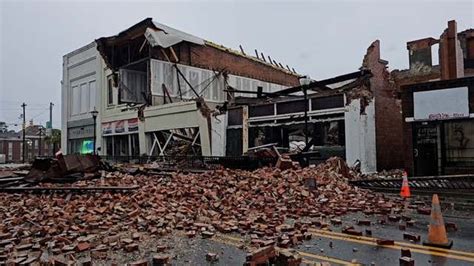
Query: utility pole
point(51, 147)
point(24, 133)
point(51, 115)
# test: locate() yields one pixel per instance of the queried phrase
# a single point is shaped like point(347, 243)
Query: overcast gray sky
point(319, 38)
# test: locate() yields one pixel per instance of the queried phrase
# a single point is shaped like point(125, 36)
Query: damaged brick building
point(438, 104)
point(157, 88)
point(159, 91)
point(352, 116)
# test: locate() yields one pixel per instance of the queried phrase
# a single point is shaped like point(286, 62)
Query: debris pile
point(385, 174)
point(68, 168)
point(272, 206)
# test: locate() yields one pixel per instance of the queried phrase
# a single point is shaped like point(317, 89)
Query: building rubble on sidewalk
point(270, 206)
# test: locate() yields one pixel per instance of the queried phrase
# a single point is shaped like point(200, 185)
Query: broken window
point(133, 83)
point(132, 86)
point(329, 134)
point(182, 141)
point(110, 91)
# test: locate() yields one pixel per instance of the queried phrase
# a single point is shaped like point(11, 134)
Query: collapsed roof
point(130, 45)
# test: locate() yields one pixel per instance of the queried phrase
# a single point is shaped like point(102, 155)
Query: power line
point(45, 110)
point(19, 102)
point(13, 109)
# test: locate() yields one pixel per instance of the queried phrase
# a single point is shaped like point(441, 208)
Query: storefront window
point(87, 147)
point(135, 146)
point(122, 145)
point(81, 146)
point(109, 150)
point(459, 143)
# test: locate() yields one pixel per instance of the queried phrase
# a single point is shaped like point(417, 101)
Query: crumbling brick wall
point(210, 57)
point(388, 117)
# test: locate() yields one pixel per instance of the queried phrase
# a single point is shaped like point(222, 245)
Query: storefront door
point(426, 149)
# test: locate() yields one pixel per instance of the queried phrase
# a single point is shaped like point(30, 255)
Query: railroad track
point(462, 185)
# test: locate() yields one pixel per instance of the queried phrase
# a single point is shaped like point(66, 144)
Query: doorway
point(425, 150)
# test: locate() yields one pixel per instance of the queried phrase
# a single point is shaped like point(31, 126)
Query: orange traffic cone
point(437, 236)
point(405, 191)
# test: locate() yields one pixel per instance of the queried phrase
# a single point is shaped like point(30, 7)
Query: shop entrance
point(443, 147)
point(425, 150)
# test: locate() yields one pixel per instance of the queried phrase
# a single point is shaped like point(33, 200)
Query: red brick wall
point(209, 57)
point(16, 152)
point(388, 117)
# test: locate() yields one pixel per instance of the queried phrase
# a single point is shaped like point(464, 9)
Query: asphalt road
point(349, 250)
point(345, 250)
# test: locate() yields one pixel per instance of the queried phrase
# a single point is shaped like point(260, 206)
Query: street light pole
point(24, 133)
point(94, 114)
point(39, 142)
point(306, 131)
point(305, 81)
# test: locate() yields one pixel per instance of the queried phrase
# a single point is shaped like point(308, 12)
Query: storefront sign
point(441, 104)
point(80, 132)
point(132, 124)
point(120, 127)
point(106, 128)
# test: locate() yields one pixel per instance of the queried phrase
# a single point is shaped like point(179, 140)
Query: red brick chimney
point(450, 53)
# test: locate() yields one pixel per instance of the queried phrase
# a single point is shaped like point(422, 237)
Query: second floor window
point(110, 90)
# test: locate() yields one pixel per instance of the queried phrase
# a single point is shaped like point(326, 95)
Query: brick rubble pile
point(270, 205)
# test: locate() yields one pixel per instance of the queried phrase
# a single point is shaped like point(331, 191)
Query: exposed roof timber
point(130, 33)
point(322, 84)
point(344, 82)
point(162, 35)
point(264, 94)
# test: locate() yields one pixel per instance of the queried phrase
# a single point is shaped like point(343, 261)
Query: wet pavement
point(347, 249)
point(328, 246)
point(365, 251)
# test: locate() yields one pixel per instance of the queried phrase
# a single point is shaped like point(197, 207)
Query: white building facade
point(145, 105)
